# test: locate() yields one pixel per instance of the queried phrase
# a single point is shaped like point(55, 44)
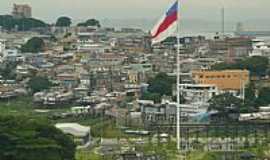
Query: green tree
point(63, 22)
point(250, 104)
point(22, 24)
point(26, 24)
point(37, 84)
point(156, 97)
point(263, 97)
point(22, 138)
point(34, 45)
point(224, 66)
point(225, 103)
point(257, 65)
point(8, 70)
point(161, 84)
point(90, 22)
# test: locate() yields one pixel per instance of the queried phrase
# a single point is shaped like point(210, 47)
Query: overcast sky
point(49, 10)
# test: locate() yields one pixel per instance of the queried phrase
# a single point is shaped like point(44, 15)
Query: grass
point(18, 106)
point(23, 106)
point(87, 155)
point(107, 128)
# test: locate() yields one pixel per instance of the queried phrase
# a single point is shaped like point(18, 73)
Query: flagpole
point(178, 81)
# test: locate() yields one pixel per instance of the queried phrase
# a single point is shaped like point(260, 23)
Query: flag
point(166, 26)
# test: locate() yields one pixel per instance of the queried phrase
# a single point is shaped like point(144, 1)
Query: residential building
point(225, 80)
point(260, 48)
point(11, 55)
point(198, 93)
point(21, 11)
point(2, 46)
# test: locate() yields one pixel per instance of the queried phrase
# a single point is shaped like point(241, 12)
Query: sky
point(49, 10)
point(197, 15)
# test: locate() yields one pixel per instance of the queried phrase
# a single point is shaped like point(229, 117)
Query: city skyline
point(121, 9)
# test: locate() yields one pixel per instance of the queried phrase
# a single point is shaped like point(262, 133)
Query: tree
point(37, 84)
point(263, 97)
point(26, 24)
point(22, 24)
point(161, 84)
point(250, 104)
point(63, 22)
point(257, 65)
point(22, 138)
point(225, 103)
point(90, 22)
point(8, 70)
point(152, 96)
point(34, 45)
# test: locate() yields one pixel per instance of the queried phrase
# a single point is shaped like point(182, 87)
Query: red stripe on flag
point(166, 24)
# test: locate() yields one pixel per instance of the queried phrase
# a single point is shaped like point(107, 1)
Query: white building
point(87, 41)
point(2, 45)
point(92, 47)
point(198, 93)
point(260, 48)
point(81, 134)
point(11, 55)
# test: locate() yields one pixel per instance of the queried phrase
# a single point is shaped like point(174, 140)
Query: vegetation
point(63, 22)
point(34, 45)
point(8, 70)
point(227, 101)
point(67, 35)
point(160, 85)
point(27, 139)
point(88, 155)
point(156, 97)
point(257, 65)
point(263, 97)
point(37, 84)
point(23, 24)
point(224, 103)
point(90, 22)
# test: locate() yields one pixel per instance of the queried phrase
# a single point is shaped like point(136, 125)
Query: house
point(198, 93)
point(10, 54)
point(68, 79)
point(53, 97)
point(2, 45)
point(7, 92)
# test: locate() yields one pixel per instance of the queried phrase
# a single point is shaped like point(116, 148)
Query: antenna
point(223, 21)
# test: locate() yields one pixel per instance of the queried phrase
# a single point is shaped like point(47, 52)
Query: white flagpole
point(178, 80)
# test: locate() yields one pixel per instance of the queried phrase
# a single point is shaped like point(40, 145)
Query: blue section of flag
point(173, 9)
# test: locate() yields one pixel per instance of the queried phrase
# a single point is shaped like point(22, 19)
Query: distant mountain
point(189, 26)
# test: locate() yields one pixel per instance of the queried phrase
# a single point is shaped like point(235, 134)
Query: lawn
point(87, 155)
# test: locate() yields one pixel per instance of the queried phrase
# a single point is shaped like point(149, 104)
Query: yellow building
point(224, 80)
point(133, 77)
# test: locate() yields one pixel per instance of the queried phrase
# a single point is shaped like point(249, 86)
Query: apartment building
point(21, 11)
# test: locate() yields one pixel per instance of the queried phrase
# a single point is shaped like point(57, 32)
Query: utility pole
point(178, 110)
